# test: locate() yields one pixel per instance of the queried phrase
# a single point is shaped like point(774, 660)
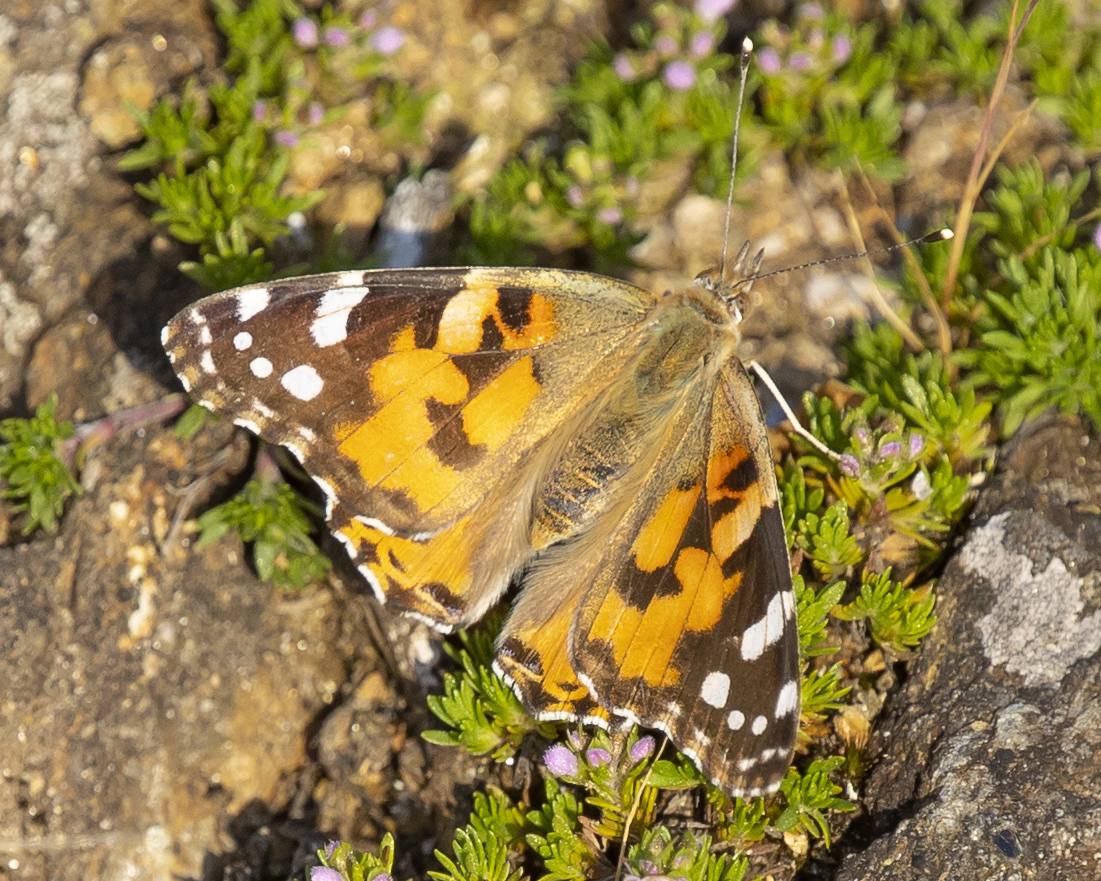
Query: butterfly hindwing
point(690, 625)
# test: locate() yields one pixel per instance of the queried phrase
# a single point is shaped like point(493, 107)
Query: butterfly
point(595, 443)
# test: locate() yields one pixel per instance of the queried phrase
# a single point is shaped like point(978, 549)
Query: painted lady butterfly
point(600, 444)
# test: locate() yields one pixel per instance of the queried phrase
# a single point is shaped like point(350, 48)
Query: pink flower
point(610, 216)
point(336, 37)
point(666, 46)
point(387, 40)
point(850, 466)
point(769, 60)
point(623, 68)
point(304, 33)
point(679, 76)
point(560, 761)
point(643, 749)
point(712, 10)
point(598, 757)
point(842, 48)
point(800, 61)
point(701, 44)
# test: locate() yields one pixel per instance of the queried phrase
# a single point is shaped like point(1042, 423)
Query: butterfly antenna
point(940, 235)
point(747, 50)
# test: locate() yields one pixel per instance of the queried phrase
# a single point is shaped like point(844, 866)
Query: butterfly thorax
point(688, 336)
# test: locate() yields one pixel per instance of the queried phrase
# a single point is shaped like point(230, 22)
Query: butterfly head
point(732, 284)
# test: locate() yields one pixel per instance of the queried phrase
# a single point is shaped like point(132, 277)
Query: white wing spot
point(242, 341)
point(248, 425)
point(330, 325)
point(701, 739)
point(261, 368)
point(373, 523)
point(715, 689)
point(296, 451)
point(788, 600)
point(745, 765)
point(350, 279)
point(303, 382)
point(185, 382)
point(326, 487)
point(262, 408)
point(349, 545)
point(766, 632)
point(735, 720)
point(205, 336)
point(207, 362)
point(251, 302)
point(788, 700)
point(307, 434)
point(759, 725)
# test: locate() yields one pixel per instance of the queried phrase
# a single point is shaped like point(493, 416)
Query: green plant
point(33, 475)
point(810, 794)
point(899, 618)
point(1040, 343)
point(643, 123)
point(269, 514)
point(481, 710)
point(223, 150)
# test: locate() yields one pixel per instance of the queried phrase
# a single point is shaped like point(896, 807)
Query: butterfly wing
point(412, 396)
point(686, 618)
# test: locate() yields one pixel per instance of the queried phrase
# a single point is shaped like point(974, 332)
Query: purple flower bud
point(286, 139)
point(623, 68)
point(324, 873)
point(259, 111)
point(575, 195)
point(701, 44)
point(917, 444)
point(666, 46)
point(890, 449)
point(368, 20)
point(336, 37)
point(861, 434)
point(850, 465)
point(304, 33)
point(610, 216)
point(387, 40)
point(712, 10)
point(598, 757)
point(768, 59)
point(811, 10)
point(631, 186)
point(330, 849)
point(643, 749)
point(679, 76)
point(842, 50)
point(574, 737)
point(560, 761)
point(800, 61)
point(382, 877)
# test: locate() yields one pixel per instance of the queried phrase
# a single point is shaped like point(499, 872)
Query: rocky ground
point(164, 715)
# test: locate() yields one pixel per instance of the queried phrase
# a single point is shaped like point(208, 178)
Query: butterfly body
point(603, 443)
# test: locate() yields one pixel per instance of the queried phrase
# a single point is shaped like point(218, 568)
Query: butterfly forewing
point(470, 424)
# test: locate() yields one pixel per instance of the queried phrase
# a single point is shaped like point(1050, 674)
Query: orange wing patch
point(534, 660)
